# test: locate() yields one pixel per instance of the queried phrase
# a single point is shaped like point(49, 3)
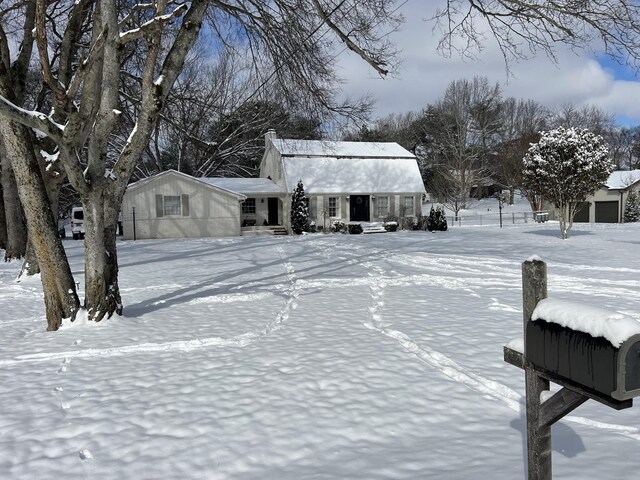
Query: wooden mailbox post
point(562, 355)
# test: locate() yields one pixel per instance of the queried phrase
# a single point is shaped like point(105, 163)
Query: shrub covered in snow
point(355, 228)
point(565, 167)
point(339, 227)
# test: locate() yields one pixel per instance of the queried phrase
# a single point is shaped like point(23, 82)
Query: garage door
point(582, 214)
point(606, 212)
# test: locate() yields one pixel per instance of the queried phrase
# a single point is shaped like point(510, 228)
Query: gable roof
point(622, 179)
point(325, 148)
point(183, 176)
point(245, 186)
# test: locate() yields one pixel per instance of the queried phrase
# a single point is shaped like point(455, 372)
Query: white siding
point(212, 212)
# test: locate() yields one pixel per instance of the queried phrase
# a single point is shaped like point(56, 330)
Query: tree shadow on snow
point(556, 233)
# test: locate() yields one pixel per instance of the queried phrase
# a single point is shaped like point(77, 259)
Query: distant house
point(351, 181)
point(608, 203)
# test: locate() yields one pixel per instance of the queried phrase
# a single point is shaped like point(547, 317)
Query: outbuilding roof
point(245, 186)
point(622, 179)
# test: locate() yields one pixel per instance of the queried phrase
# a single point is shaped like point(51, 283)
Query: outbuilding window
point(172, 205)
point(249, 205)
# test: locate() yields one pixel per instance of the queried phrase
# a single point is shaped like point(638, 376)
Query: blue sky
point(576, 78)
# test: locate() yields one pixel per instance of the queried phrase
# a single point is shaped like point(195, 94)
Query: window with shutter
point(172, 205)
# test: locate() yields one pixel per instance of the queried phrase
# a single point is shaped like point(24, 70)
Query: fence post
point(134, 223)
point(534, 289)
point(513, 217)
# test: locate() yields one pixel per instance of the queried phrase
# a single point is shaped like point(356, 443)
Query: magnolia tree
point(565, 167)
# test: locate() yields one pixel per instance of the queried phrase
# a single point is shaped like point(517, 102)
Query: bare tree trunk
point(61, 300)
point(95, 263)
point(16, 244)
point(30, 266)
point(111, 271)
point(3, 221)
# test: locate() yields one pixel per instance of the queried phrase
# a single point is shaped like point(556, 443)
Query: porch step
point(373, 227)
point(279, 230)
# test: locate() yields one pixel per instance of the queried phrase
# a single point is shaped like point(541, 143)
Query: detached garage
point(607, 204)
point(175, 205)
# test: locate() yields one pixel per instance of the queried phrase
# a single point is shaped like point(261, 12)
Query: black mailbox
point(592, 362)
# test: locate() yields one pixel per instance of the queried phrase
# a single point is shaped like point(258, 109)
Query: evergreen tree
point(437, 221)
point(299, 210)
point(431, 221)
point(441, 219)
point(632, 208)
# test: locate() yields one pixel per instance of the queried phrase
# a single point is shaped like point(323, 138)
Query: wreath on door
point(359, 200)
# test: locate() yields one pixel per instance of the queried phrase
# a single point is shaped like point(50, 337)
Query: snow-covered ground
point(312, 357)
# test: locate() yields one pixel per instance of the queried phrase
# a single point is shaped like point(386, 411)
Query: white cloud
point(424, 74)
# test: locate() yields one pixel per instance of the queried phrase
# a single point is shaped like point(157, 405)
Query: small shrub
point(355, 228)
point(421, 223)
point(339, 227)
point(391, 219)
point(391, 226)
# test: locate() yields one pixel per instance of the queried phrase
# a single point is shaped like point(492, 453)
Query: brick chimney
point(270, 135)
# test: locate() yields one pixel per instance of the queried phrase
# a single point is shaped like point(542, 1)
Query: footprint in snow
point(65, 362)
point(85, 454)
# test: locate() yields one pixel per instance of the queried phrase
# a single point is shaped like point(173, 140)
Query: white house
point(608, 203)
point(351, 181)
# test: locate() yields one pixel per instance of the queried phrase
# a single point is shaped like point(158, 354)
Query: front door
point(359, 208)
point(273, 210)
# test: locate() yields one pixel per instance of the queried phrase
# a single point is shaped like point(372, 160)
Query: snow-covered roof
point(246, 186)
point(175, 173)
point(325, 148)
point(353, 175)
point(622, 179)
point(613, 326)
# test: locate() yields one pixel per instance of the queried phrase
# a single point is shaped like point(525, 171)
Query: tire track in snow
point(456, 272)
point(432, 357)
point(291, 292)
point(458, 373)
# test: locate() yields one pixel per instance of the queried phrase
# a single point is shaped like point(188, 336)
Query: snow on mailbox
point(597, 349)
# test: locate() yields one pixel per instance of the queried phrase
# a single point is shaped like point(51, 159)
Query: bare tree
point(521, 120)
point(462, 129)
point(624, 147)
point(524, 28)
